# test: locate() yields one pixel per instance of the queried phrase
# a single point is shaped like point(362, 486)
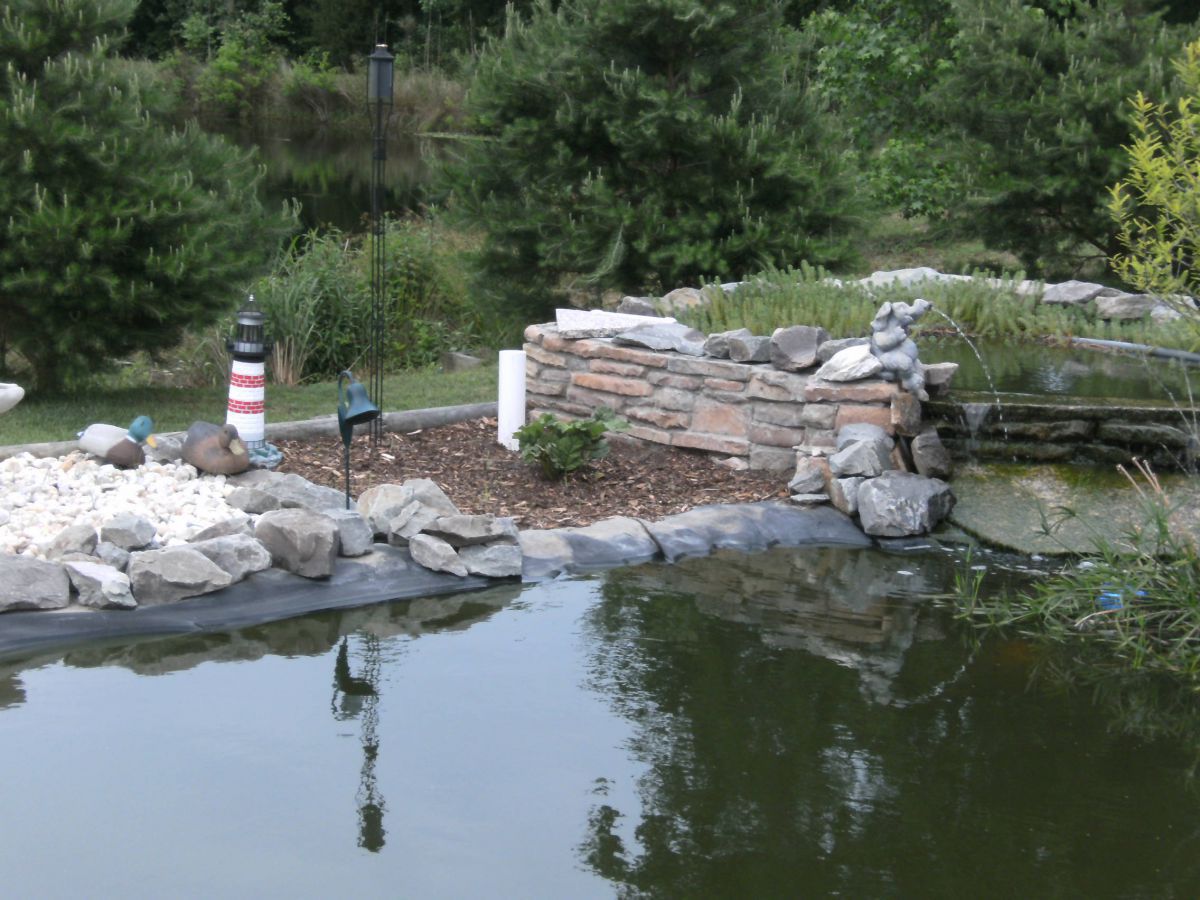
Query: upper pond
point(795, 723)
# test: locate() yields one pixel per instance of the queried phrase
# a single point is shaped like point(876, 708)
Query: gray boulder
point(172, 573)
point(73, 539)
point(237, 554)
point(27, 583)
point(100, 586)
point(465, 531)
point(809, 477)
point(795, 348)
point(128, 532)
point(383, 504)
point(436, 554)
point(851, 364)
point(669, 336)
point(355, 536)
point(239, 524)
point(637, 306)
point(292, 491)
point(545, 553)
point(866, 458)
point(1071, 293)
point(302, 541)
point(110, 554)
point(1113, 304)
point(681, 300)
point(253, 500)
point(717, 345)
point(499, 560)
point(900, 504)
point(750, 349)
point(930, 456)
point(843, 493)
point(829, 349)
point(862, 431)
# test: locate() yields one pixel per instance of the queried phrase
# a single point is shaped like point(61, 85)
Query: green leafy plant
point(1157, 205)
point(562, 447)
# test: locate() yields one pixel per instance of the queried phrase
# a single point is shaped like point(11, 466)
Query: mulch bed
point(481, 476)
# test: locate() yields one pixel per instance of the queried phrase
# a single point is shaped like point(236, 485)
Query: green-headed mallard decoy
point(215, 449)
point(120, 446)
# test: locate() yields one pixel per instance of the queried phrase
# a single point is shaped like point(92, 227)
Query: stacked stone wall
point(751, 411)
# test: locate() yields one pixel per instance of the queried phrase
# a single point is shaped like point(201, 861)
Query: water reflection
point(800, 727)
point(1027, 368)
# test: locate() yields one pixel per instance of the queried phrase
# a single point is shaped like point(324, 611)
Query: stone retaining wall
point(1069, 431)
point(749, 411)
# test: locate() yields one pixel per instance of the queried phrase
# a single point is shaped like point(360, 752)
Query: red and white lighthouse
point(248, 378)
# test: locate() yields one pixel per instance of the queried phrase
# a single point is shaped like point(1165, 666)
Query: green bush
point(117, 234)
point(1040, 99)
point(1157, 205)
point(560, 447)
point(318, 301)
point(644, 144)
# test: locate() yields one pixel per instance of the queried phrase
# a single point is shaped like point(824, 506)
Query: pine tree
point(1040, 92)
point(645, 144)
point(118, 234)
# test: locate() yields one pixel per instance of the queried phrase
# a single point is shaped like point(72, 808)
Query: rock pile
point(73, 530)
point(419, 515)
point(866, 477)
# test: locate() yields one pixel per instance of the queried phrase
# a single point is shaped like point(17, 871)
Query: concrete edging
point(322, 426)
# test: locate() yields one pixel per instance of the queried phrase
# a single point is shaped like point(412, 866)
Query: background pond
point(1031, 368)
point(800, 722)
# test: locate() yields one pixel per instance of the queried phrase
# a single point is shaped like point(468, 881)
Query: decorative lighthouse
point(248, 379)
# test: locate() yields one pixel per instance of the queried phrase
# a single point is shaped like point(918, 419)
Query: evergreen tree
point(645, 144)
point(1040, 93)
point(118, 234)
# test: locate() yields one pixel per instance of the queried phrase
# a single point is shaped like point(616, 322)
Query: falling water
point(977, 413)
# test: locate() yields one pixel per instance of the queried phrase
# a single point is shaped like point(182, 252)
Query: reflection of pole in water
point(359, 698)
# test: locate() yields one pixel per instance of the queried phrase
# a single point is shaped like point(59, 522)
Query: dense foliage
point(1157, 205)
point(642, 144)
point(117, 234)
point(1040, 96)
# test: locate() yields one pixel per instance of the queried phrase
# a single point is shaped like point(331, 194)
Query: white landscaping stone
point(851, 364)
point(597, 323)
point(100, 586)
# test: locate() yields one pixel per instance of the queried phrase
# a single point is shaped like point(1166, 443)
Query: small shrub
point(561, 447)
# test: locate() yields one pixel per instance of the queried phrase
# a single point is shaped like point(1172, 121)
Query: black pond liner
point(385, 575)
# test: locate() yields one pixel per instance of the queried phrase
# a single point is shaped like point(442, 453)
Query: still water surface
point(795, 723)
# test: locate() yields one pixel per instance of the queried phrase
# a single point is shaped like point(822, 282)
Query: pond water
point(1030, 368)
point(331, 176)
point(794, 723)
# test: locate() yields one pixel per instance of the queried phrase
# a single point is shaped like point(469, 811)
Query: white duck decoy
point(10, 396)
point(120, 446)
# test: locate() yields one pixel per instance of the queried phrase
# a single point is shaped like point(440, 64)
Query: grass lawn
point(61, 418)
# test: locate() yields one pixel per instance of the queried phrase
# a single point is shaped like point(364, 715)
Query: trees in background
point(644, 144)
point(1038, 96)
point(118, 234)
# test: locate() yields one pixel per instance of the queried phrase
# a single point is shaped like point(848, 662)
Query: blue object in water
point(1114, 599)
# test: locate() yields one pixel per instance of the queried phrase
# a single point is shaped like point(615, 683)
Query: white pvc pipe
point(510, 406)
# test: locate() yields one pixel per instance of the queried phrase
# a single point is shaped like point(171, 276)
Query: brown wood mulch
point(481, 476)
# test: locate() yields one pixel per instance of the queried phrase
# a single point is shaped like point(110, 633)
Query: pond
point(1031, 368)
point(799, 722)
point(331, 176)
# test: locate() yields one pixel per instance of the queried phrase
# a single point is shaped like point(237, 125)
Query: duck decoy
point(215, 449)
point(10, 396)
point(120, 446)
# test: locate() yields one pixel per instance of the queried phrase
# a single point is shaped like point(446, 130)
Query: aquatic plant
point(1138, 595)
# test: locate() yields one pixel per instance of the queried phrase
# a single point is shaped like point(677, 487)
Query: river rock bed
point(41, 497)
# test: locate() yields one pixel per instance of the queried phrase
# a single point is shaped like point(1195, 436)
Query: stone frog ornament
point(122, 447)
point(215, 449)
point(894, 349)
